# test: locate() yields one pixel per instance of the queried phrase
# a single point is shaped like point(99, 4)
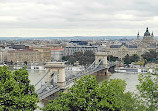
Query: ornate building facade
point(20, 56)
point(139, 47)
point(148, 38)
point(122, 50)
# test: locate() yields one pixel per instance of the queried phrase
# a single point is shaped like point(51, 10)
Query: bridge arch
point(57, 68)
point(101, 56)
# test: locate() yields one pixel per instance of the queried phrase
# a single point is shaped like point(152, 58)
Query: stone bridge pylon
point(57, 69)
point(101, 56)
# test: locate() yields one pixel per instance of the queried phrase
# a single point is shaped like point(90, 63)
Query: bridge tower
point(101, 56)
point(59, 69)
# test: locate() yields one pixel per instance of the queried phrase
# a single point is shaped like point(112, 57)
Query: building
point(122, 50)
point(69, 50)
point(3, 54)
point(18, 47)
point(20, 56)
point(139, 47)
point(45, 53)
point(138, 41)
point(57, 54)
point(148, 38)
point(2, 57)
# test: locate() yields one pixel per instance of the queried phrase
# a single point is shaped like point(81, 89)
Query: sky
point(60, 18)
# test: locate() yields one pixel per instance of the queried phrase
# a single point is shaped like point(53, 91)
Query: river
point(130, 78)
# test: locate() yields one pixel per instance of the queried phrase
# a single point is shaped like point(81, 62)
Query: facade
point(57, 54)
point(20, 56)
point(69, 50)
point(138, 39)
point(2, 56)
point(148, 38)
point(122, 50)
point(139, 47)
point(45, 53)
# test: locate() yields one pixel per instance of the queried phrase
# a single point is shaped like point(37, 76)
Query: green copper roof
point(147, 33)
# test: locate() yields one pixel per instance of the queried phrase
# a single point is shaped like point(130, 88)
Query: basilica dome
point(147, 33)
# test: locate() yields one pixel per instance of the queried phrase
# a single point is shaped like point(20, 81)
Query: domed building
point(148, 38)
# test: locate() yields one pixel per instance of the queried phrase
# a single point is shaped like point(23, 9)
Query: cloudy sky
point(46, 18)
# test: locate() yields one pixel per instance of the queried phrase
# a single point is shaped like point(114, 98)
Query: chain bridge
point(57, 79)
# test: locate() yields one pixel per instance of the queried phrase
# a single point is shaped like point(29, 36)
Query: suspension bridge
point(56, 79)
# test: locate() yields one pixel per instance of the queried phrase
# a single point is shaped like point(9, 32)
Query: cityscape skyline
point(26, 18)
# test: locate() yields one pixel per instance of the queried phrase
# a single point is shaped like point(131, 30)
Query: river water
point(130, 78)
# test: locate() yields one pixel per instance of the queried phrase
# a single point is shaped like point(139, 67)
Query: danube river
point(130, 78)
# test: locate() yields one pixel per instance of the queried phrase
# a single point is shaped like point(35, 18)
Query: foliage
point(85, 58)
point(129, 59)
point(16, 93)
point(134, 58)
point(87, 95)
point(151, 56)
point(148, 89)
point(112, 58)
point(142, 62)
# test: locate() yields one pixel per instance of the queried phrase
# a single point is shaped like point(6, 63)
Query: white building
point(70, 50)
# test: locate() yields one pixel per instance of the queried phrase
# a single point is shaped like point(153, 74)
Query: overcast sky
point(46, 18)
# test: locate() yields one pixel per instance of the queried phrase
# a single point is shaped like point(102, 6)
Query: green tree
point(85, 58)
point(78, 55)
point(148, 89)
point(16, 93)
point(151, 56)
point(71, 60)
point(87, 95)
point(112, 58)
point(134, 58)
point(127, 60)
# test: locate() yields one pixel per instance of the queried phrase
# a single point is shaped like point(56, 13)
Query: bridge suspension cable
point(42, 78)
point(47, 84)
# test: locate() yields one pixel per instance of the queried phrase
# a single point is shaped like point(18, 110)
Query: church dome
point(147, 33)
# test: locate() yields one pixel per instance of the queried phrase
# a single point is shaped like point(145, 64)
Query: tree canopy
point(87, 95)
point(129, 59)
point(148, 89)
point(112, 58)
point(16, 93)
point(85, 58)
point(151, 56)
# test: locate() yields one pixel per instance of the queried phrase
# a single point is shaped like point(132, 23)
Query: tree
point(112, 58)
point(148, 89)
point(87, 95)
point(16, 93)
point(25, 63)
point(134, 58)
point(151, 56)
point(78, 55)
point(127, 60)
point(85, 58)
